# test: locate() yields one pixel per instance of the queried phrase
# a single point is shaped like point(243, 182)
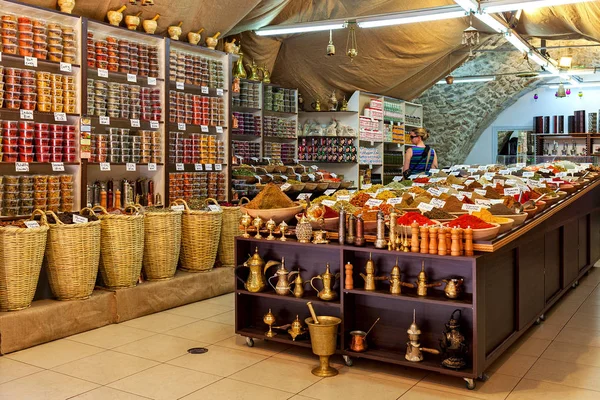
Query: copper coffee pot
point(359, 339)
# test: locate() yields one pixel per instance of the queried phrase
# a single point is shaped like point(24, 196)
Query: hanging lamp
point(330, 46)
point(351, 46)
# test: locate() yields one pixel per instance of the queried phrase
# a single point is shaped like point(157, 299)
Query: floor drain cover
point(197, 350)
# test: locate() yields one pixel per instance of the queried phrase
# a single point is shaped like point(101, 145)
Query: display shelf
point(201, 90)
point(281, 337)
point(274, 296)
point(17, 61)
point(144, 124)
point(192, 168)
point(433, 296)
point(279, 114)
point(245, 109)
point(189, 128)
point(122, 77)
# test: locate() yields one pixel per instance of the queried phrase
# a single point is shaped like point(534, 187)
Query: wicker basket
point(200, 233)
point(21, 256)
point(230, 228)
point(121, 248)
point(73, 255)
point(162, 243)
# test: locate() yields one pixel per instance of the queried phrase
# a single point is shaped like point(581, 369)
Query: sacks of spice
point(269, 198)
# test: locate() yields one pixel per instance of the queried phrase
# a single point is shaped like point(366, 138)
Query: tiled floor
point(147, 358)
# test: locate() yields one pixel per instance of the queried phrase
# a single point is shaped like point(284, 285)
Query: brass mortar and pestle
point(358, 343)
point(323, 338)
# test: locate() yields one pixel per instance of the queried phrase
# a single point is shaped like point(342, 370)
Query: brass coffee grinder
point(453, 344)
point(396, 281)
point(422, 284)
point(370, 277)
point(414, 351)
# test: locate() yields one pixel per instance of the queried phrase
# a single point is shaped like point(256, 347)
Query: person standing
point(419, 158)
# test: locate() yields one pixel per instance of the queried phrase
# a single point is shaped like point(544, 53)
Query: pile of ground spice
point(491, 193)
point(466, 221)
point(438, 213)
point(269, 198)
point(411, 217)
point(500, 209)
point(453, 205)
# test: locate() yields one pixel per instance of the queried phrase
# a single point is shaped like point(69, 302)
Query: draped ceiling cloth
point(398, 61)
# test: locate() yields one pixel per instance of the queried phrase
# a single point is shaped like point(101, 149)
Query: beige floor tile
point(420, 393)
point(260, 346)
point(529, 346)
point(305, 356)
point(204, 331)
point(569, 374)
point(106, 393)
point(44, 385)
point(592, 278)
point(579, 293)
point(566, 305)
point(228, 389)
point(159, 322)
point(220, 361)
point(225, 318)
point(497, 387)
point(164, 382)
point(52, 354)
point(590, 307)
point(226, 300)
point(387, 371)
point(106, 367)
point(278, 374)
point(579, 336)
point(199, 310)
point(300, 397)
point(349, 386)
point(513, 364)
point(544, 330)
point(10, 369)
point(584, 321)
point(528, 389)
point(559, 318)
point(573, 353)
point(159, 347)
point(111, 336)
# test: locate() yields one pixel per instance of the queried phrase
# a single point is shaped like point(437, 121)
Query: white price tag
point(374, 202)
point(204, 128)
point(434, 192)
point(219, 129)
point(469, 181)
point(311, 177)
point(471, 207)
point(30, 61)
point(329, 192)
point(31, 224)
point(178, 208)
point(455, 173)
point(333, 175)
point(304, 196)
point(489, 176)
point(397, 178)
point(104, 166)
point(457, 187)
point(512, 191)
point(480, 192)
point(152, 166)
point(394, 200)
point(135, 123)
point(437, 203)
point(154, 124)
point(344, 197)
point(26, 114)
point(498, 182)
point(60, 117)
point(434, 170)
point(418, 184)
point(219, 92)
point(496, 201)
point(482, 168)
point(66, 67)
point(314, 167)
point(179, 86)
point(214, 207)
point(511, 182)
point(328, 203)
point(102, 73)
point(285, 187)
point(198, 167)
point(483, 202)
point(560, 174)
point(472, 170)
point(104, 120)
point(22, 166)
point(528, 174)
point(504, 172)
point(179, 167)
point(181, 126)
point(219, 167)
point(435, 180)
point(204, 90)
point(413, 176)
point(466, 194)
point(209, 167)
point(78, 219)
point(424, 207)
point(366, 186)
point(131, 78)
point(151, 81)
point(130, 166)
point(544, 170)
point(58, 167)
point(285, 178)
point(520, 165)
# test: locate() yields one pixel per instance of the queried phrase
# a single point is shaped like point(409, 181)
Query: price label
point(329, 192)
point(511, 182)
point(328, 203)
point(489, 176)
point(151, 81)
point(178, 208)
point(472, 170)
point(58, 167)
point(198, 167)
point(397, 178)
point(285, 178)
point(367, 186)
point(480, 192)
point(31, 224)
point(468, 182)
point(437, 203)
point(60, 117)
point(504, 172)
point(560, 174)
point(471, 207)
point(424, 207)
point(483, 202)
point(219, 129)
point(455, 173)
point(104, 120)
point(466, 194)
point(482, 168)
point(179, 85)
point(219, 167)
point(520, 165)
point(26, 114)
point(102, 73)
point(444, 189)
point(311, 177)
point(394, 200)
point(259, 178)
point(154, 124)
point(374, 202)
point(434, 170)
point(204, 90)
point(130, 166)
point(104, 166)
point(496, 201)
point(535, 184)
point(214, 207)
point(152, 166)
point(314, 167)
point(435, 180)
point(135, 123)
point(179, 167)
point(434, 192)
point(30, 61)
point(457, 187)
point(528, 174)
point(132, 78)
point(498, 182)
point(512, 191)
point(344, 197)
point(22, 166)
point(209, 167)
point(544, 170)
point(66, 67)
point(285, 187)
point(219, 92)
point(204, 128)
point(78, 219)
point(181, 126)
point(413, 176)
point(333, 175)
point(304, 196)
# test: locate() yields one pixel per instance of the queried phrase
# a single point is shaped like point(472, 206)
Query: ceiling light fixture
point(301, 28)
point(467, 79)
point(565, 62)
point(511, 5)
point(412, 16)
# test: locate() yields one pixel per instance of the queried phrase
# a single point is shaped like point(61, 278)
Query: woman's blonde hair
point(422, 132)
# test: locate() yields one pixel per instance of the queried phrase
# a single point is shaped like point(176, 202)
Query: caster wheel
point(573, 286)
point(469, 383)
point(576, 283)
point(543, 317)
point(538, 321)
point(348, 361)
point(249, 342)
point(483, 377)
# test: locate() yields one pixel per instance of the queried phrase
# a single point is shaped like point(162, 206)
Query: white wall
point(522, 112)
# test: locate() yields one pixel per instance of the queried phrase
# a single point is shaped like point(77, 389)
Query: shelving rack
point(585, 144)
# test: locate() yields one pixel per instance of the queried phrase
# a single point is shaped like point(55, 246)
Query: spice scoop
point(359, 339)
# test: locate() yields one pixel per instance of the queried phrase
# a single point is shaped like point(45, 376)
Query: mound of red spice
point(330, 213)
point(466, 221)
point(411, 217)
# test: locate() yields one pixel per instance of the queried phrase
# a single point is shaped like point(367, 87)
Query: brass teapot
point(256, 281)
point(282, 287)
point(296, 329)
point(299, 283)
point(253, 72)
point(238, 70)
point(328, 279)
point(454, 287)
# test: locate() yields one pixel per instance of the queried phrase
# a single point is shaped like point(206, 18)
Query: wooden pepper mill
point(414, 240)
point(442, 242)
point(424, 240)
point(455, 247)
point(469, 242)
point(433, 243)
point(349, 281)
point(351, 230)
point(359, 239)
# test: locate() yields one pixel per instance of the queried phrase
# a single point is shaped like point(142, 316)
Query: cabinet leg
point(483, 377)
point(538, 321)
point(249, 342)
point(543, 317)
point(348, 361)
point(470, 383)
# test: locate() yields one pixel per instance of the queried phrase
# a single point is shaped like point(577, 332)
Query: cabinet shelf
point(279, 113)
point(122, 77)
point(433, 297)
point(245, 109)
point(281, 337)
point(13, 59)
point(188, 87)
point(274, 296)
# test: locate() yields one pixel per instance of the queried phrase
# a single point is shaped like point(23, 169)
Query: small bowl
point(486, 233)
point(322, 186)
point(310, 186)
point(331, 224)
point(277, 214)
point(531, 213)
point(505, 226)
point(334, 185)
point(345, 185)
point(518, 218)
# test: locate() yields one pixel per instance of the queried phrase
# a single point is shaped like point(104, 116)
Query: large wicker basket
point(73, 255)
point(200, 233)
point(121, 248)
point(162, 244)
point(230, 228)
point(21, 256)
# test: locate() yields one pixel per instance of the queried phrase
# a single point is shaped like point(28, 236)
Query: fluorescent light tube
point(491, 22)
point(301, 28)
point(412, 16)
point(519, 43)
point(502, 6)
point(469, 80)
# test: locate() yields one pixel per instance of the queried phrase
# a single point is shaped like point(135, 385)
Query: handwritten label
point(198, 167)
point(333, 175)
point(204, 128)
point(366, 186)
point(468, 182)
point(483, 202)
point(437, 203)
point(214, 208)
point(22, 166)
point(520, 165)
point(499, 182)
point(304, 196)
point(131, 78)
point(504, 172)
point(31, 224)
point(435, 180)
point(78, 219)
point(30, 62)
point(204, 90)
point(285, 187)
point(311, 177)
point(544, 170)
point(179, 167)
point(480, 192)
point(512, 191)
point(329, 192)
point(472, 170)
point(434, 170)
point(151, 166)
point(528, 174)
point(151, 81)
point(424, 207)
point(102, 73)
point(497, 201)
point(458, 187)
point(560, 174)
point(413, 176)
point(489, 176)
point(219, 167)
point(328, 203)
point(394, 200)
point(26, 114)
point(219, 92)
point(178, 208)
point(314, 167)
point(434, 192)
point(219, 129)
point(104, 120)
point(482, 168)
point(135, 123)
point(466, 194)
point(209, 167)
point(374, 202)
point(154, 124)
point(397, 178)
point(344, 197)
point(104, 166)
point(58, 167)
point(179, 85)
point(130, 166)
point(66, 67)
point(181, 126)
point(471, 207)
point(455, 173)
point(60, 117)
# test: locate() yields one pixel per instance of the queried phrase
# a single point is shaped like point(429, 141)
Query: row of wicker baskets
point(119, 245)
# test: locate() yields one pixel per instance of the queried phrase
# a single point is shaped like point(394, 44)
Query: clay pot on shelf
point(211, 41)
point(175, 31)
point(133, 21)
point(150, 25)
point(194, 37)
point(115, 17)
point(66, 6)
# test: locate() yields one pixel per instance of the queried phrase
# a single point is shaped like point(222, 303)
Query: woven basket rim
point(12, 230)
point(74, 226)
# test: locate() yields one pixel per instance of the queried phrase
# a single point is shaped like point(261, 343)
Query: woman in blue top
point(419, 158)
